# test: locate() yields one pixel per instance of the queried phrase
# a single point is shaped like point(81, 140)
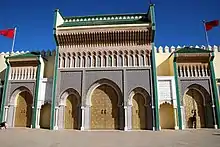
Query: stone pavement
point(69, 138)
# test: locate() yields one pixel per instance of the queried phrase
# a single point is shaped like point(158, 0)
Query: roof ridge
point(106, 15)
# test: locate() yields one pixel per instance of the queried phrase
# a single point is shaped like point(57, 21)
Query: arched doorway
point(194, 109)
point(139, 114)
point(23, 113)
point(45, 116)
point(104, 109)
point(167, 120)
point(71, 120)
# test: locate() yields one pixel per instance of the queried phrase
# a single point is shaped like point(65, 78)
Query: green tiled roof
point(25, 55)
point(192, 50)
point(138, 18)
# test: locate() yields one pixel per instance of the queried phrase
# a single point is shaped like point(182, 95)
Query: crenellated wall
point(164, 60)
point(25, 73)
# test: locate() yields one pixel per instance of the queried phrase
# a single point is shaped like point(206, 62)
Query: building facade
point(106, 73)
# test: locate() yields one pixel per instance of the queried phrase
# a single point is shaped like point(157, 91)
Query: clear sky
point(179, 22)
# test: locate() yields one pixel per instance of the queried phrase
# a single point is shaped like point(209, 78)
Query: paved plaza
point(70, 138)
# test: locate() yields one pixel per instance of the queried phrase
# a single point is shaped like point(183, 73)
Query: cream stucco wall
point(216, 64)
point(2, 67)
point(164, 64)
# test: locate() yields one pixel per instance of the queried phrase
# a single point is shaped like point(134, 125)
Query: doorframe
point(204, 104)
point(89, 99)
point(130, 104)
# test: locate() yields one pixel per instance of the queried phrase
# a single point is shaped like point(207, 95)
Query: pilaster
point(54, 90)
point(82, 127)
point(83, 118)
point(4, 95)
point(154, 70)
point(56, 118)
point(215, 92)
point(125, 99)
point(35, 113)
point(177, 94)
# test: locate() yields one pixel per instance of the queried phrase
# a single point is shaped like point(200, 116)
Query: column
point(113, 59)
point(206, 70)
point(126, 118)
point(83, 118)
point(38, 118)
point(182, 117)
point(188, 71)
point(71, 60)
point(195, 70)
point(199, 71)
point(180, 70)
point(214, 116)
point(32, 116)
point(87, 117)
point(191, 71)
point(129, 116)
point(175, 117)
point(56, 119)
point(6, 113)
point(60, 120)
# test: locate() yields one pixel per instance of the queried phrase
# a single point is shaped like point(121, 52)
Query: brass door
point(193, 101)
point(138, 112)
point(23, 110)
point(45, 116)
point(104, 113)
point(111, 108)
point(71, 113)
point(98, 108)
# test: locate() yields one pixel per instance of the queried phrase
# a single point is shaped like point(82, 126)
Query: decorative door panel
point(68, 114)
point(194, 102)
point(142, 112)
point(23, 110)
point(111, 109)
point(71, 121)
point(135, 113)
point(199, 106)
point(138, 112)
point(98, 108)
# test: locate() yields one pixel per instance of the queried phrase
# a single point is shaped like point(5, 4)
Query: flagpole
point(206, 34)
point(13, 43)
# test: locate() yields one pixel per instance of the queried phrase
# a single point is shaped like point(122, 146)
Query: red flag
point(8, 33)
point(209, 25)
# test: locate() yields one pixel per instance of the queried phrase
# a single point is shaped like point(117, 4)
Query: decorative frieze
point(104, 59)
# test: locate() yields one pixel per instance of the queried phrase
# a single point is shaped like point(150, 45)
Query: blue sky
point(179, 22)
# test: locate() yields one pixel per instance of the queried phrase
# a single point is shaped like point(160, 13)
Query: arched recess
point(45, 116)
point(105, 99)
point(23, 101)
point(167, 120)
point(70, 112)
point(198, 107)
point(141, 109)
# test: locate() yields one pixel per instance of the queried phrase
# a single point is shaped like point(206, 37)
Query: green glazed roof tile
point(138, 18)
point(25, 55)
point(192, 50)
